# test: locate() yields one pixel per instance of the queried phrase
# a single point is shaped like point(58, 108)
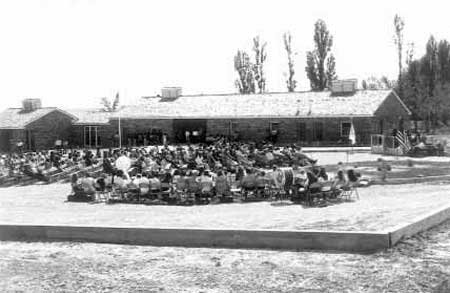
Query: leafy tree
point(426, 84)
point(441, 102)
point(413, 91)
point(290, 82)
point(410, 53)
point(429, 66)
point(331, 70)
point(110, 106)
point(443, 61)
point(320, 63)
point(387, 83)
point(364, 85)
point(374, 83)
point(260, 58)
point(245, 69)
point(311, 70)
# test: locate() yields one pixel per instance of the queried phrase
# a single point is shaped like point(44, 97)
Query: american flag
point(403, 140)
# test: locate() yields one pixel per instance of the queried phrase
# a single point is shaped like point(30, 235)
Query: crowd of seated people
point(40, 165)
point(178, 174)
point(201, 174)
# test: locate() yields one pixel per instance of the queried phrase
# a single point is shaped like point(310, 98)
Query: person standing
point(383, 168)
point(164, 139)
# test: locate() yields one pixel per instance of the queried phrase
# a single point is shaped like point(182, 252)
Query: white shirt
point(123, 163)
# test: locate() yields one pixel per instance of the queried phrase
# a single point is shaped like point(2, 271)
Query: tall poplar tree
point(320, 63)
point(290, 82)
point(399, 25)
point(245, 69)
point(258, 68)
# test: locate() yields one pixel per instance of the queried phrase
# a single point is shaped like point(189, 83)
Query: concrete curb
point(410, 180)
point(348, 241)
point(419, 224)
point(342, 241)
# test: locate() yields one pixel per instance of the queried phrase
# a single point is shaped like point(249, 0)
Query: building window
point(274, 127)
point(91, 138)
point(233, 127)
point(345, 129)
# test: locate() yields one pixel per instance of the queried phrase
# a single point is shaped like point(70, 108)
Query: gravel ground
point(419, 264)
point(380, 207)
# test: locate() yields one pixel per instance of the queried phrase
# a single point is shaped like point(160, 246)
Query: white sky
point(71, 53)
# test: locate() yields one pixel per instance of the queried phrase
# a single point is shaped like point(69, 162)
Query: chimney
point(344, 86)
point(170, 92)
point(29, 105)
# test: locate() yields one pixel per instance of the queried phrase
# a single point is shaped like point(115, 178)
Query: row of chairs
point(166, 193)
point(325, 190)
point(204, 193)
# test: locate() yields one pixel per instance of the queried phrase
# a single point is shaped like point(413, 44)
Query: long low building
point(306, 118)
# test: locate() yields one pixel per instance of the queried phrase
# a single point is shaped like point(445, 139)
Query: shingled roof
point(269, 105)
point(90, 116)
point(17, 118)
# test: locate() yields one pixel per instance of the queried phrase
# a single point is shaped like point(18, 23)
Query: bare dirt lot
point(419, 264)
point(380, 207)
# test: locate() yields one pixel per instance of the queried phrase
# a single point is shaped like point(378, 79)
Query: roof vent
point(345, 86)
point(29, 105)
point(170, 92)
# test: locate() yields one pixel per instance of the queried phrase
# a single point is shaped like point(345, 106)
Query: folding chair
point(100, 195)
point(248, 189)
point(222, 188)
point(119, 193)
point(206, 192)
point(193, 189)
point(314, 191)
point(262, 189)
point(166, 191)
point(144, 189)
point(299, 193)
point(327, 189)
point(350, 190)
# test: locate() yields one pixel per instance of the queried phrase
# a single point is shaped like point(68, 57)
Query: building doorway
point(91, 137)
point(189, 130)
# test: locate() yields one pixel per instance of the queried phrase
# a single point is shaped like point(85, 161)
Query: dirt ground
point(419, 264)
point(379, 207)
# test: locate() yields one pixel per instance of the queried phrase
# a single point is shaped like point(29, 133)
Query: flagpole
point(351, 119)
point(120, 129)
point(120, 134)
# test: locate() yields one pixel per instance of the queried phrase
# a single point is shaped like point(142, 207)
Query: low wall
point(345, 241)
point(410, 180)
point(419, 224)
point(262, 239)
